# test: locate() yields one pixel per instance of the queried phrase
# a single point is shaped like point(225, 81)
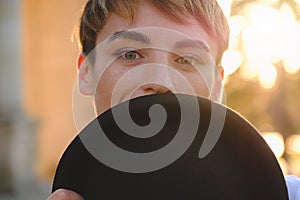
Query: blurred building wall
point(10, 59)
point(49, 70)
point(10, 86)
point(38, 70)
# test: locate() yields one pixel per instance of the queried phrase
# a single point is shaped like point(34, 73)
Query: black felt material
point(240, 166)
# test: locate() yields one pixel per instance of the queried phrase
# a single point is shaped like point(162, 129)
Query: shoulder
point(293, 185)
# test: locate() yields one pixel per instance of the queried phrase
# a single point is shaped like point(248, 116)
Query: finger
point(63, 194)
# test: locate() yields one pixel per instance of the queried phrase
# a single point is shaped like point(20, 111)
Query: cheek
point(200, 85)
point(105, 87)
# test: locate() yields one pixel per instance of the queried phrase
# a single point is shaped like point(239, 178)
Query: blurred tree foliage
point(275, 109)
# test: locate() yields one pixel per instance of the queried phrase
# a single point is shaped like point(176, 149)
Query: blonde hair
point(207, 12)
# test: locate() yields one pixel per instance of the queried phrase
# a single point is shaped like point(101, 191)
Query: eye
point(132, 55)
point(128, 55)
point(186, 60)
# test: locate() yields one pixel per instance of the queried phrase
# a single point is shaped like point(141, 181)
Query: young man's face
point(154, 54)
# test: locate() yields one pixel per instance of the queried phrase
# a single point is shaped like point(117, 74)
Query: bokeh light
point(236, 24)
point(226, 6)
point(267, 76)
point(261, 36)
point(231, 61)
point(265, 43)
point(275, 142)
point(293, 144)
point(284, 165)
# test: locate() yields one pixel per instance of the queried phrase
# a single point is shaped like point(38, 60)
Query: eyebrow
point(133, 35)
point(192, 43)
point(140, 37)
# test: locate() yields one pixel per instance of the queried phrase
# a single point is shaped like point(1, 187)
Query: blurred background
point(38, 67)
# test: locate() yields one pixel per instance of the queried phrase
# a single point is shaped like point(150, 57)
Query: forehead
point(147, 16)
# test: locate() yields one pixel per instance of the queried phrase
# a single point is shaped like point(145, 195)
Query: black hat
point(226, 158)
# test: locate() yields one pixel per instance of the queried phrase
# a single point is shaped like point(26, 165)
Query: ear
point(221, 71)
point(85, 81)
point(217, 90)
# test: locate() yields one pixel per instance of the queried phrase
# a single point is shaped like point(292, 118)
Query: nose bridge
point(160, 76)
point(162, 71)
point(160, 56)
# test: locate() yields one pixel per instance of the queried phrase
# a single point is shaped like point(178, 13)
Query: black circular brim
point(239, 166)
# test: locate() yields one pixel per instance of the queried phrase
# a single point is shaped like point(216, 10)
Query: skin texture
point(63, 194)
point(154, 77)
point(94, 81)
